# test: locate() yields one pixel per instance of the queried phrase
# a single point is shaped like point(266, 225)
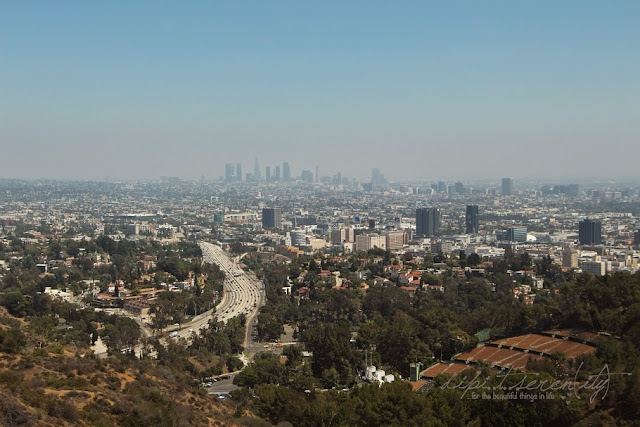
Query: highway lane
point(241, 295)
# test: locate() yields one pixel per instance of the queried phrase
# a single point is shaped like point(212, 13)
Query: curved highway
point(241, 294)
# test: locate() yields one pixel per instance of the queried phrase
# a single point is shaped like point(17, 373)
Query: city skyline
point(266, 213)
point(430, 90)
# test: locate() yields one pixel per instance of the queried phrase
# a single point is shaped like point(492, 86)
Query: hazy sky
point(461, 89)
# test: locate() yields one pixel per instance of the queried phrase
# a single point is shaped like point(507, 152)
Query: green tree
point(121, 335)
point(42, 329)
point(331, 347)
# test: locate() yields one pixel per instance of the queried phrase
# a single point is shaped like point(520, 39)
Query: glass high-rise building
point(471, 220)
point(427, 222)
point(507, 186)
point(590, 232)
point(228, 172)
point(272, 218)
point(256, 170)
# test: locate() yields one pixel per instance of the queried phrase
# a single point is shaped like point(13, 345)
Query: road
point(242, 295)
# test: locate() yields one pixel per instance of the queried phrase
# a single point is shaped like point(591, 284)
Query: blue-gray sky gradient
point(419, 89)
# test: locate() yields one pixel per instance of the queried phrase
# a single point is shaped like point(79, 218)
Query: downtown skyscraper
point(286, 172)
point(507, 186)
point(229, 175)
point(471, 219)
point(427, 222)
point(271, 218)
point(256, 170)
point(590, 232)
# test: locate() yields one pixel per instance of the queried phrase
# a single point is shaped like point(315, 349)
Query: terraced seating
point(443, 368)
point(515, 352)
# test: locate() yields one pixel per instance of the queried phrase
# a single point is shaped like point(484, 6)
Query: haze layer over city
point(455, 90)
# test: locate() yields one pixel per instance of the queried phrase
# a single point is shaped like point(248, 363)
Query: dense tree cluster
point(337, 325)
point(395, 328)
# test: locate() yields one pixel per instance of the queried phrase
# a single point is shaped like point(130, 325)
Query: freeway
point(242, 295)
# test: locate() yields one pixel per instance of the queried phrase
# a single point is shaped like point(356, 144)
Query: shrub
point(11, 340)
point(60, 409)
point(12, 413)
point(11, 379)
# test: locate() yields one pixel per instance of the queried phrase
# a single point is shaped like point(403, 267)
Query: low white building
point(59, 294)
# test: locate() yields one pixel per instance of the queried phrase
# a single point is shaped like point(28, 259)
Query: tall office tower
point(343, 235)
point(338, 236)
point(267, 174)
point(427, 222)
point(272, 218)
point(307, 176)
point(507, 186)
point(377, 178)
point(636, 238)
point(238, 172)
point(471, 219)
point(569, 257)
point(396, 239)
point(350, 234)
point(459, 187)
point(590, 232)
point(256, 170)
point(276, 178)
point(286, 172)
point(228, 172)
